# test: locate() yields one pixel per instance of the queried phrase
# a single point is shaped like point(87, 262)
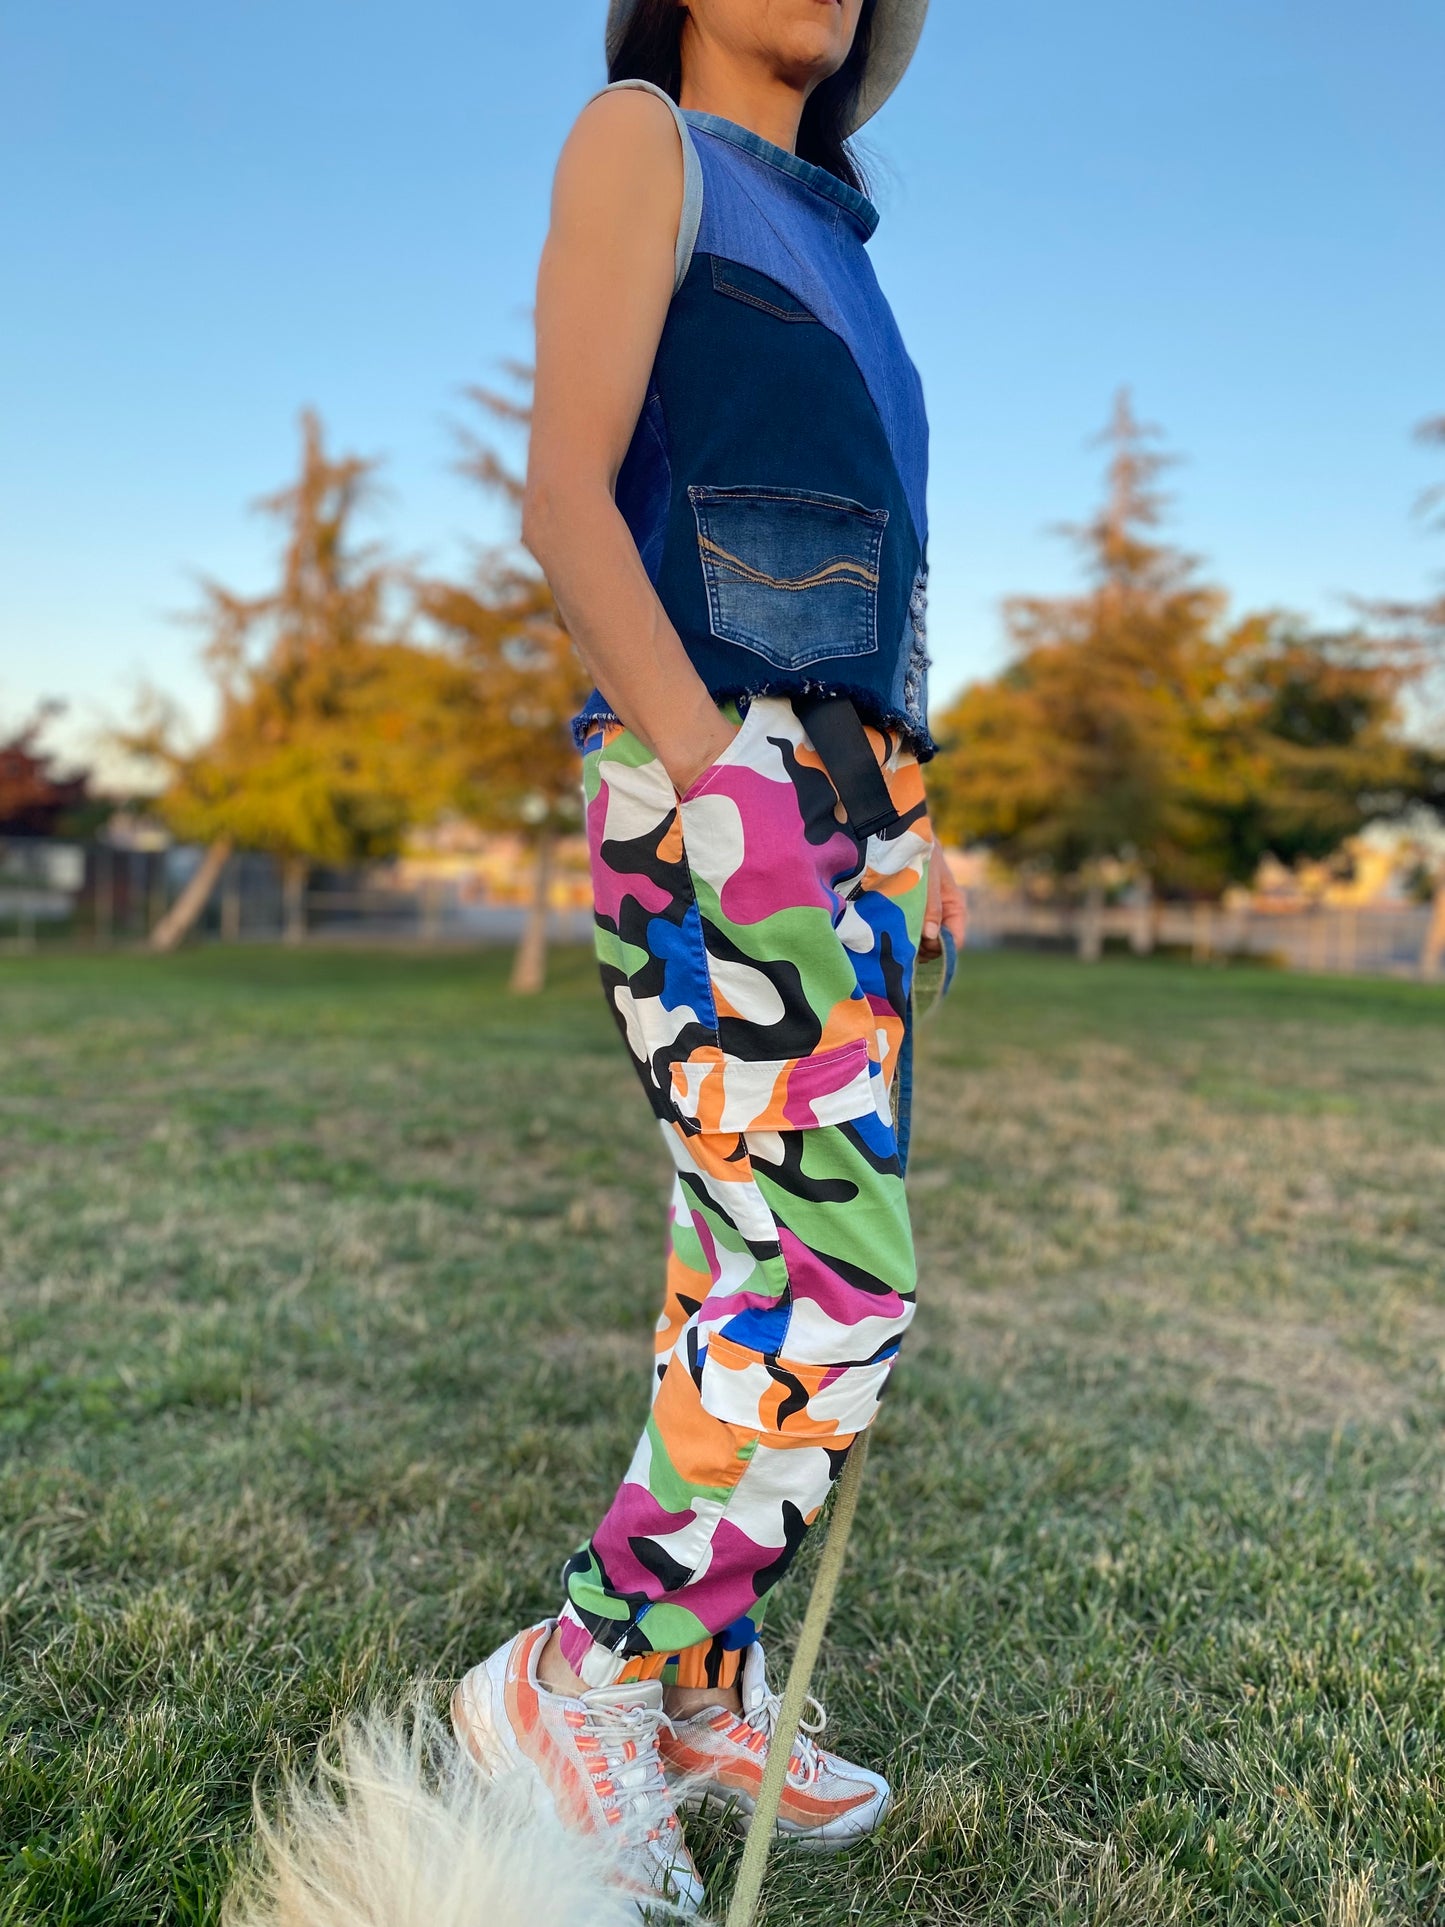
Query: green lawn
point(326, 1286)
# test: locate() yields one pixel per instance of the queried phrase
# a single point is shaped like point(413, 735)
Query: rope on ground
point(746, 1894)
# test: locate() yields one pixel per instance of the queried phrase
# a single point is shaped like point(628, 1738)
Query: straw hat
point(896, 27)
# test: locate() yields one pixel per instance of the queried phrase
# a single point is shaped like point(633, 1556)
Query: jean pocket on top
point(790, 574)
point(758, 291)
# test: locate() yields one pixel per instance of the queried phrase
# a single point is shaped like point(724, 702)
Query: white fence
point(95, 895)
point(91, 895)
point(1364, 939)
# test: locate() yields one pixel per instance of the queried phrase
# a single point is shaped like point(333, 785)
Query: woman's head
point(820, 47)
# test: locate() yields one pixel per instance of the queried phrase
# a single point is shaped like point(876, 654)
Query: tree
point(1084, 749)
point(34, 799)
point(1135, 726)
point(335, 732)
point(504, 628)
point(1419, 626)
point(1315, 727)
point(1418, 630)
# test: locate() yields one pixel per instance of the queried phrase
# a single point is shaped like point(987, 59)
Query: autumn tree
point(335, 732)
point(1084, 749)
point(1135, 725)
point(1311, 727)
point(35, 798)
point(503, 626)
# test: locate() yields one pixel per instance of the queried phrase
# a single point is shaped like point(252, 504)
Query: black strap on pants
point(837, 733)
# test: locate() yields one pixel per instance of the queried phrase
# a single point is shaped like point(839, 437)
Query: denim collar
point(864, 214)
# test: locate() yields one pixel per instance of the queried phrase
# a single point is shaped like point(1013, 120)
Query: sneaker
point(717, 1756)
point(596, 1757)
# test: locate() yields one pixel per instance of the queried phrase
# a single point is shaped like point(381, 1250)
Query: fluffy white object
point(400, 1829)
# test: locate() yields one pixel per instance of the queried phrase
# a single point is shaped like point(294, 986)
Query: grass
point(326, 1285)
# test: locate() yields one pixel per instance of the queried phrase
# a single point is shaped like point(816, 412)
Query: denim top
point(776, 480)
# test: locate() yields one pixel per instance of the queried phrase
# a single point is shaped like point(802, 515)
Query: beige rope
point(744, 1908)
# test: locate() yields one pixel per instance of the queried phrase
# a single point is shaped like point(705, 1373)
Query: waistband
point(896, 723)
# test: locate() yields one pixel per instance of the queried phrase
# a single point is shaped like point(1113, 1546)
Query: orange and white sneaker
point(717, 1756)
point(597, 1759)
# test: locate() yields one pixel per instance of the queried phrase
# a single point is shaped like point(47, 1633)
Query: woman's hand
point(705, 745)
point(945, 906)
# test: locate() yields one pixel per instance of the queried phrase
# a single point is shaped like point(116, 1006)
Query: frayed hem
point(870, 707)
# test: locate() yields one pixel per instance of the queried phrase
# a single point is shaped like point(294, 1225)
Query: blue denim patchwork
point(791, 574)
point(807, 231)
point(775, 482)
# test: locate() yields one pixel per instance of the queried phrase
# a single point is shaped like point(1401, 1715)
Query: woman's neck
point(765, 105)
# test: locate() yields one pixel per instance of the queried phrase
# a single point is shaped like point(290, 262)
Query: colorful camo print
point(758, 964)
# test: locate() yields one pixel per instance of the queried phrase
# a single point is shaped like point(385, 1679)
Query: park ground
point(326, 1287)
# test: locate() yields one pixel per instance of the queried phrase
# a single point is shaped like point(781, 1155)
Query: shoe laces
point(806, 1762)
point(618, 1745)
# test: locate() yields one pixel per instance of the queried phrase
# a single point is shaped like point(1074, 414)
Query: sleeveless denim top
point(776, 478)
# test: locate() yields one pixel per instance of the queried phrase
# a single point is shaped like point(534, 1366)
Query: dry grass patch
point(1285, 1258)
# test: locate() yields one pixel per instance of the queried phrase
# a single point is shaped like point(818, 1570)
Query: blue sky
point(212, 215)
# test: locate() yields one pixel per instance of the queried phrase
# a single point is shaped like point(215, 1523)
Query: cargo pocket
point(787, 1402)
point(790, 574)
point(712, 1091)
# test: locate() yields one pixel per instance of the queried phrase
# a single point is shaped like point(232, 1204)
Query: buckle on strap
point(837, 733)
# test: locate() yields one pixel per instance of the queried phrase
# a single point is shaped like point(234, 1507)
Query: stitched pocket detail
point(757, 291)
point(790, 574)
point(837, 568)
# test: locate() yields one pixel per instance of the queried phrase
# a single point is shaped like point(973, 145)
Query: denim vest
point(775, 483)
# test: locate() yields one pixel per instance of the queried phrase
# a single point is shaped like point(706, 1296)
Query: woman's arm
point(602, 296)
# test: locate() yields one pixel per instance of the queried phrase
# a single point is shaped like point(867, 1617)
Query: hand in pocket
point(685, 776)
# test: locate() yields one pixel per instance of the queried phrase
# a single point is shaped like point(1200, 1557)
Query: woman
point(726, 489)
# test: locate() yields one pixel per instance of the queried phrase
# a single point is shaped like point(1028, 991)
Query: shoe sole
point(834, 1836)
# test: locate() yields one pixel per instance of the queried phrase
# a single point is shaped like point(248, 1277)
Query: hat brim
point(896, 27)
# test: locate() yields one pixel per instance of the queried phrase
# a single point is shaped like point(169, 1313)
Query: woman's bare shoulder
point(625, 141)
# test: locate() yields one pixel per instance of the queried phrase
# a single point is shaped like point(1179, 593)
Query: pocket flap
point(793, 1403)
point(721, 1093)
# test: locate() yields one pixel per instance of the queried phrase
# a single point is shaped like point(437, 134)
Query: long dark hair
point(652, 50)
